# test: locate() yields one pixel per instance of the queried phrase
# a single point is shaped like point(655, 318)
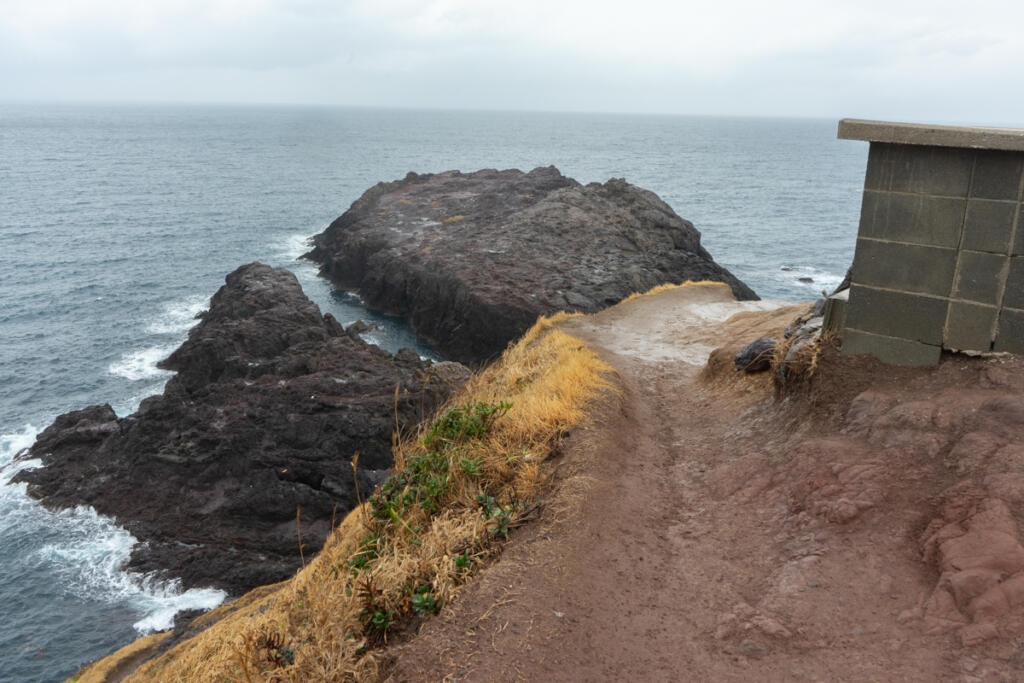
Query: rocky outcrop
point(269, 406)
point(471, 260)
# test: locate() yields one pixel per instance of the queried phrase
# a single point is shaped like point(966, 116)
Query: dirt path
point(700, 530)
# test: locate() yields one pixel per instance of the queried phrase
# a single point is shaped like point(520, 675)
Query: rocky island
point(471, 260)
point(269, 406)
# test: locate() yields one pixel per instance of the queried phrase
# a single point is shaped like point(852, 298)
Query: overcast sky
point(931, 60)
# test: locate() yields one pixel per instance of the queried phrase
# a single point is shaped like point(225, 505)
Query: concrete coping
point(973, 137)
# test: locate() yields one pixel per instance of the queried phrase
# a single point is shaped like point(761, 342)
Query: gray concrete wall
point(939, 262)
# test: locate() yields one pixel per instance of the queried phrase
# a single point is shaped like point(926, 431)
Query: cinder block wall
point(940, 251)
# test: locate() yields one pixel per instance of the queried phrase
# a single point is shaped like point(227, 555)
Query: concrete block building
point(939, 262)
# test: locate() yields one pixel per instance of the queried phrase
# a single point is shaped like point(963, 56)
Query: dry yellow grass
point(668, 285)
point(104, 668)
point(789, 367)
point(315, 619)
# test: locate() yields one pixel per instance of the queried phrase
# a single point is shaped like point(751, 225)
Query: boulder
point(755, 356)
point(471, 260)
point(359, 328)
point(270, 403)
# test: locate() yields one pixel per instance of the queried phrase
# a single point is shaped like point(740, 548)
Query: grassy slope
point(462, 482)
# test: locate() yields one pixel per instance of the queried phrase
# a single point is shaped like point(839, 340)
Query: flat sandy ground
point(860, 526)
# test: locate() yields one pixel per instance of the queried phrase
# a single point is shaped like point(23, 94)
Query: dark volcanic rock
point(270, 402)
point(755, 356)
point(471, 260)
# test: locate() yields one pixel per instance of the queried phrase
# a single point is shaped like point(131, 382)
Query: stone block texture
point(939, 262)
point(897, 314)
point(892, 350)
point(970, 326)
point(1011, 331)
point(835, 312)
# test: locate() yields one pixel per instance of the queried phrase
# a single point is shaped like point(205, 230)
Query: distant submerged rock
point(269, 405)
point(472, 259)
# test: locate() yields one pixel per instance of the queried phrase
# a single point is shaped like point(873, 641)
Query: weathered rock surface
point(755, 356)
point(471, 260)
point(270, 402)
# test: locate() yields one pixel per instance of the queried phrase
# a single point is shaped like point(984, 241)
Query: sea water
point(117, 223)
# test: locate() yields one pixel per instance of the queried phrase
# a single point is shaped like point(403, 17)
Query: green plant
point(468, 421)
point(471, 466)
point(381, 620)
point(274, 649)
point(462, 561)
point(375, 617)
point(424, 603)
point(499, 520)
point(426, 479)
point(497, 516)
point(369, 550)
point(285, 655)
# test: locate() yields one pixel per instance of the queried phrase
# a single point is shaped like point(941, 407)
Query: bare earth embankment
point(864, 526)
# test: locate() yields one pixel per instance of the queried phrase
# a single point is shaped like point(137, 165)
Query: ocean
point(117, 223)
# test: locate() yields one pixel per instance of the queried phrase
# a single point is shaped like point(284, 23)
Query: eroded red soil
point(864, 525)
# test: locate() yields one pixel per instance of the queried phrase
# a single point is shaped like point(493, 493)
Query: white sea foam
point(139, 365)
point(12, 444)
point(371, 338)
point(170, 603)
point(129, 404)
point(294, 246)
point(91, 557)
point(86, 552)
point(813, 280)
point(14, 496)
point(178, 316)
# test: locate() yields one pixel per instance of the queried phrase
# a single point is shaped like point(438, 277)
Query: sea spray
point(10, 446)
point(294, 246)
point(167, 329)
point(140, 365)
point(91, 560)
point(178, 316)
point(82, 553)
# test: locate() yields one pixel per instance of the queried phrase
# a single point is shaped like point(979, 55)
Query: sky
point(931, 61)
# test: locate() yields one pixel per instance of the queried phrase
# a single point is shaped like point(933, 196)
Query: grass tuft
point(668, 285)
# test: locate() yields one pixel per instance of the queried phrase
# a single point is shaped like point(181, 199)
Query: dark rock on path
point(270, 402)
point(755, 356)
point(471, 260)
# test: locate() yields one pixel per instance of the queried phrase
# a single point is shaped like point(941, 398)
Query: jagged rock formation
point(270, 402)
point(471, 260)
